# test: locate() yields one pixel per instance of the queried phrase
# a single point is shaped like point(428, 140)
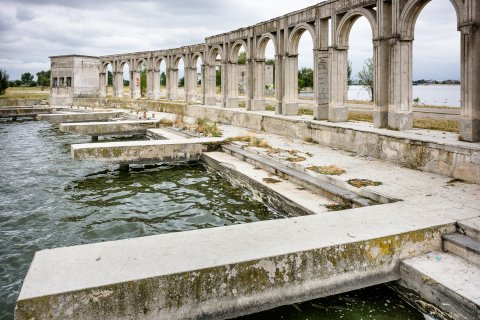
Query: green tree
point(43, 79)
point(365, 77)
point(181, 82)
point(26, 78)
point(218, 77)
point(110, 78)
point(3, 81)
point(242, 58)
point(126, 82)
point(349, 73)
point(163, 79)
point(143, 80)
point(305, 78)
point(270, 62)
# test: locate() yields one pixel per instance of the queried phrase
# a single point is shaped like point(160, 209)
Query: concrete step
point(324, 188)
point(470, 227)
point(451, 283)
point(462, 246)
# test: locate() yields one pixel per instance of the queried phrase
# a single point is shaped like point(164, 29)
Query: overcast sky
point(33, 30)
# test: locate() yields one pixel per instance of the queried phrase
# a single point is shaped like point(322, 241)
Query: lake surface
point(435, 95)
point(48, 200)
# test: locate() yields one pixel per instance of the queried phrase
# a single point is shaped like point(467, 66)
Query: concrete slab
point(25, 111)
point(153, 151)
point(165, 134)
point(79, 116)
point(446, 280)
point(230, 271)
point(125, 127)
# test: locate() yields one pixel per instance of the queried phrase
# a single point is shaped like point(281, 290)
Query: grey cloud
point(24, 14)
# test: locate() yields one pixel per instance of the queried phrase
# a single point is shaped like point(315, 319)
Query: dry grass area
point(207, 128)
point(310, 140)
point(437, 124)
point(327, 170)
point(305, 112)
point(360, 102)
point(269, 107)
point(166, 122)
point(360, 116)
point(358, 183)
point(26, 93)
point(251, 140)
point(271, 180)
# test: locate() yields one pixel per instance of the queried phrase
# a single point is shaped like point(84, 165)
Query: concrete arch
point(262, 45)
point(139, 63)
point(195, 57)
point(411, 11)
point(176, 60)
point(346, 23)
point(296, 34)
point(105, 66)
point(123, 63)
point(234, 51)
point(214, 51)
point(158, 62)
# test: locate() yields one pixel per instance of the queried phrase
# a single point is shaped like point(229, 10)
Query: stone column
point(135, 86)
point(290, 97)
point(381, 57)
point(259, 85)
point(103, 84)
point(150, 77)
point(118, 84)
point(279, 83)
point(338, 75)
point(320, 84)
point(400, 106)
point(231, 85)
point(470, 82)
point(209, 84)
point(173, 84)
point(190, 83)
point(156, 84)
point(224, 84)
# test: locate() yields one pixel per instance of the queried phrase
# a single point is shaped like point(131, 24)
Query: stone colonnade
point(329, 24)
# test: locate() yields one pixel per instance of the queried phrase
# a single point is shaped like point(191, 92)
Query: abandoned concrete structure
point(392, 23)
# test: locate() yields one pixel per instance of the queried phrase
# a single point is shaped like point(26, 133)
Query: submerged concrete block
point(144, 151)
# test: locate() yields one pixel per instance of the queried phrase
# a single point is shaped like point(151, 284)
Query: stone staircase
point(449, 279)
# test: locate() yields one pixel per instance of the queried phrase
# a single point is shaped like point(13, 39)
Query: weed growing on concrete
point(207, 128)
point(271, 180)
point(179, 122)
point(310, 140)
point(296, 159)
point(327, 170)
point(269, 107)
point(359, 183)
point(165, 122)
point(252, 141)
point(337, 207)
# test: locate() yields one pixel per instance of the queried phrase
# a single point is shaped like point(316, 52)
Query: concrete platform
point(79, 116)
point(29, 111)
point(446, 280)
point(154, 151)
point(163, 133)
point(124, 127)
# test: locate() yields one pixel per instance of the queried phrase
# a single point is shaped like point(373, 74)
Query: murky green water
point(48, 200)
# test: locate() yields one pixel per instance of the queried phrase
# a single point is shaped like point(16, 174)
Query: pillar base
point(380, 119)
point(338, 114)
point(156, 96)
point(320, 112)
point(400, 120)
point(258, 105)
point(290, 109)
point(232, 103)
point(136, 95)
point(469, 130)
point(210, 101)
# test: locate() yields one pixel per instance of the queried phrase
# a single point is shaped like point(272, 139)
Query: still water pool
point(48, 200)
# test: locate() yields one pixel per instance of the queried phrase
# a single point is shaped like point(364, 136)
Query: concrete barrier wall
point(459, 160)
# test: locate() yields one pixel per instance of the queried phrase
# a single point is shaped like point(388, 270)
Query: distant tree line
point(26, 80)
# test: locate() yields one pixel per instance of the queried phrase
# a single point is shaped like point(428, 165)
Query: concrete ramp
point(79, 116)
point(129, 152)
point(124, 127)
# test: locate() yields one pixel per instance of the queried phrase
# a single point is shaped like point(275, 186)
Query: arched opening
point(213, 77)
point(299, 80)
point(125, 67)
point(162, 70)
point(178, 78)
point(436, 66)
point(198, 84)
point(109, 79)
point(360, 66)
point(237, 76)
point(142, 67)
point(264, 96)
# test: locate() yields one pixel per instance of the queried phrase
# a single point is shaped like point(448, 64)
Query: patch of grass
point(296, 159)
point(337, 207)
point(327, 170)
point(207, 128)
point(271, 180)
point(360, 116)
point(269, 107)
point(305, 112)
point(437, 124)
point(360, 102)
point(452, 182)
point(165, 122)
point(241, 104)
point(26, 93)
point(252, 141)
point(359, 183)
point(179, 121)
point(310, 140)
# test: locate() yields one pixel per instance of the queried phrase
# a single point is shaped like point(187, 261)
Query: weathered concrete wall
point(139, 105)
point(21, 102)
point(109, 128)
